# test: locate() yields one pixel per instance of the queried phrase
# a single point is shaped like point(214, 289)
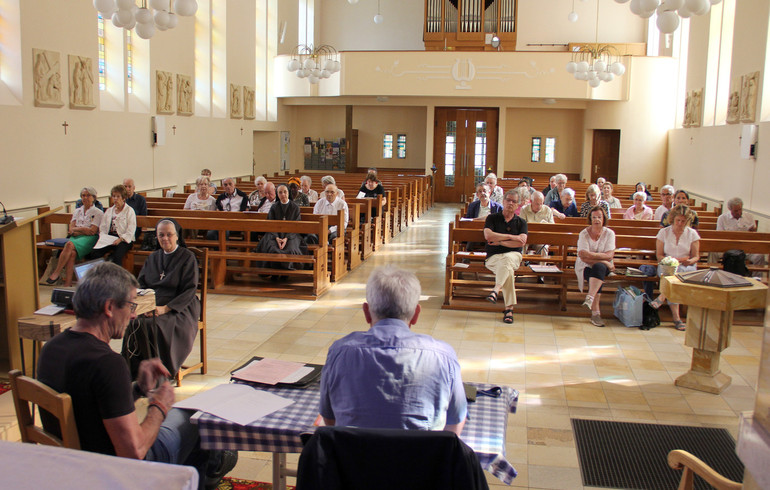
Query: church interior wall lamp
point(595, 63)
point(161, 14)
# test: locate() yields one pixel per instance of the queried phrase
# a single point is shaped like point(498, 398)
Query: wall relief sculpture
point(81, 78)
point(184, 89)
point(46, 78)
point(734, 101)
point(164, 92)
point(693, 109)
point(748, 111)
point(249, 101)
point(236, 104)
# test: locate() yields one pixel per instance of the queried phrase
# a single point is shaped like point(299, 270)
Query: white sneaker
point(596, 320)
point(588, 302)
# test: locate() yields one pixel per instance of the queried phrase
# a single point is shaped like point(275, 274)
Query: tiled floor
point(563, 367)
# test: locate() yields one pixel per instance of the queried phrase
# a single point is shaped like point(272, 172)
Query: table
point(709, 326)
point(42, 328)
point(279, 432)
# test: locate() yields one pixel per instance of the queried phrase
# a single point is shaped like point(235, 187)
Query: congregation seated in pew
point(117, 230)
point(282, 243)
point(613, 201)
point(565, 206)
point(595, 251)
point(305, 183)
point(201, 199)
point(593, 199)
point(681, 197)
point(331, 204)
point(639, 211)
point(257, 194)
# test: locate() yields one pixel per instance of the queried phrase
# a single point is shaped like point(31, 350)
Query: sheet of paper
point(50, 310)
point(268, 371)
point(460, 264)
point(297, 375)
point(239, 403)
point(105, 240)
point(543, 268)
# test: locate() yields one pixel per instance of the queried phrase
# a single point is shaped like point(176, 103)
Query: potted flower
point(668, 266)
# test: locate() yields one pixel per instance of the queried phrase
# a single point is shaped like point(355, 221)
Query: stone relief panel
point(734, 101)
point(184, 89)
point(164, 92)
point(748, 111)
point(46, 78)
point(81, 81)
point(236, 102)
point(249, 101)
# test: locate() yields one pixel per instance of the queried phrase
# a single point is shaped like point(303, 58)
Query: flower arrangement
point(669, 261)
point(668, 266)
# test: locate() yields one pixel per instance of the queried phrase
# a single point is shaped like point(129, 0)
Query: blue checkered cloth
point(280, 431)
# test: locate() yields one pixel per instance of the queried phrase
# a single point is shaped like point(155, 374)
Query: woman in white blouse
point(639, 210)
point(83, 233)
point(613, 201)
point(596, 249)
point(201, 200)
point(681, 242)
point(116, 231)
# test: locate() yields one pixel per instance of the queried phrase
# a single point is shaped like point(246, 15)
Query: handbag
point(628, 306)
point(149, 241)
point(650, 316)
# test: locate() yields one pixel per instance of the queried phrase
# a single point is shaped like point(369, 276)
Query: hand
point(163, 394)
point(281, 242)
point(116, 241)
point(150, 371)
point(162, 310)
point(559, 215)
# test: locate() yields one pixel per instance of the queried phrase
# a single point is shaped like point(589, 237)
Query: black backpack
point(650, 316)
point(735, 261)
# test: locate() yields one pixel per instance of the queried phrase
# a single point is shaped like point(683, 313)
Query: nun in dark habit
point(282, 243)
point(172, 271)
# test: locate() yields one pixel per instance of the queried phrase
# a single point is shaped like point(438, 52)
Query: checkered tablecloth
point(280, 431)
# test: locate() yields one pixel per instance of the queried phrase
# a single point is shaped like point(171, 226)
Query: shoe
point(51, 281)
point(680, 325)
point(508, 316)
point(588, 302)
point(596, 320)
point(540, 279)
point(492, 298)
point(223, 462)
point(657, 303)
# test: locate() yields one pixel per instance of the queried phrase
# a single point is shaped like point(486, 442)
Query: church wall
point(372, 122)
point(104, 146)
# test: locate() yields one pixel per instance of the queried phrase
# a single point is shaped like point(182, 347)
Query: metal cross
point(174, 128)
point(241, 130)
point(65, 127)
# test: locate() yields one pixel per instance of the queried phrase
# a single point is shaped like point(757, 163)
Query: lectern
point(19, 294)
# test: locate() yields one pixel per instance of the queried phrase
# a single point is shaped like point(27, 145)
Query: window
point(387, 145)
point(129, 61)
point(100, 34)
point(550, 149)
point(535, 149)
point(401, 146)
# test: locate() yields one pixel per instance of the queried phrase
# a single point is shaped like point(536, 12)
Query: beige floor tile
point(552, 455)
point(553, 477)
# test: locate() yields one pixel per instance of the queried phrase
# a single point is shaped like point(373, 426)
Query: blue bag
point(628, 306)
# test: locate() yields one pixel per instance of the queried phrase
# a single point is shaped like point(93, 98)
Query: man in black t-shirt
point(506, 234)
point(80, 362)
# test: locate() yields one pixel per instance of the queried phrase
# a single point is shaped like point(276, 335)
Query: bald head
point(330, 192)
point(130, 187)
point(270, 191)
point(537, 201)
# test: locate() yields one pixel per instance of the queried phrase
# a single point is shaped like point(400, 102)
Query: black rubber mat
point(629, 455)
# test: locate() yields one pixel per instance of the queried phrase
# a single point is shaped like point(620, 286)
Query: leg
point(120, 252)
point(69, 270)
point(504, 266)
point(67, 253)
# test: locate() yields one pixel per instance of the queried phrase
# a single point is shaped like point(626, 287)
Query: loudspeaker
point(748, 141)
point(158, 127)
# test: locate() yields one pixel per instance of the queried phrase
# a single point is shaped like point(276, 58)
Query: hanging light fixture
point(161, 14)
point(596, 63)
point(314, 64)
point(670, 12)
point(573, 16)
point(378, 19)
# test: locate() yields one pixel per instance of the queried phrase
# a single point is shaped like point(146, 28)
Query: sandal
point(492, 298)
point(680, 325)
point(657, 303)
point(508, 316)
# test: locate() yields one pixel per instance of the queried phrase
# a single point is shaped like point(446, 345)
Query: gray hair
point(392, 293)
point(595, 189)
point(104, 281)
point(328, 179)
point(491, 176)
point(569, 191)
point(736, 201)
point(669, 188)
point(226, 179)
point(561, 178)
point(640, 193)
point(513, 192)
point(202, 179)
point(307, 179)
point(90, 190)
point(260, 179)
point(538, 195)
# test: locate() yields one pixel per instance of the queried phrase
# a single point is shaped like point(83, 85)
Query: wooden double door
point(464, 150)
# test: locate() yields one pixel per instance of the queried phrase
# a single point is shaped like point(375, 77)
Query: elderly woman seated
point(295, 193)
point(642, 187)
point(172, 271)
point(596, 249)
point(681, 197)
point(278, 242)
point(593, 199)
point(639, 210)
point(613, 201)
point(117, 229)
point(305, 183)
point(201, 199)
point(83, 234)
point(565, 206)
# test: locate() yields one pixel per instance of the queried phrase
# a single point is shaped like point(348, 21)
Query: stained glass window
point(100, 34)
point(401, 146)
point(550, 150)
point(535, 149)
point(387, 145)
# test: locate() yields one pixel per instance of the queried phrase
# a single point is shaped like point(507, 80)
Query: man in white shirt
point(736, 220)
point(537, 212)
point(667, 197)
point(331, 204)
point(264, 204)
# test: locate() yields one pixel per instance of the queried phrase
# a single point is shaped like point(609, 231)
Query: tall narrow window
point(387, 145)
point(100, 34)
point(480, 152)
point(550, 150)
point(401, 146)
point(450, 153)
point(535, 149)
point(129, 61)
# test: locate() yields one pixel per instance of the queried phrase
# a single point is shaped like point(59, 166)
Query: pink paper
point(268, 371)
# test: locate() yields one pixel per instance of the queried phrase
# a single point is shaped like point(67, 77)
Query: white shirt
point(234, 201)
point(265, 208)
point(484, 210)
point(660, 211)
point(208, 204)
point(726, 222)
point(323, 206)
point(312, 196)
point(125, 226)
point(605, 243)
point(545, 215)
point(86, 219)
point(681, 248)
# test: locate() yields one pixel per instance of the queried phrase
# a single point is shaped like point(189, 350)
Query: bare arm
point(456, 428)
point(659, 250)
point(329, 421)
point(694, 254)
point(587, 256)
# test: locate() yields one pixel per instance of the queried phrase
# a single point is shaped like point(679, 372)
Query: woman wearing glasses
point(172, 271)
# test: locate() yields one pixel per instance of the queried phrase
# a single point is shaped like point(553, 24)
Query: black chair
point(354, 458)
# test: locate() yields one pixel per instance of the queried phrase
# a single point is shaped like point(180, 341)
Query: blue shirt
point(389, 377)
point(570, 211)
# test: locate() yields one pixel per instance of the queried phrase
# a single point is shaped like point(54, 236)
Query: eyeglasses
point(512, 201)
point(666, 194)
point(132, 305)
